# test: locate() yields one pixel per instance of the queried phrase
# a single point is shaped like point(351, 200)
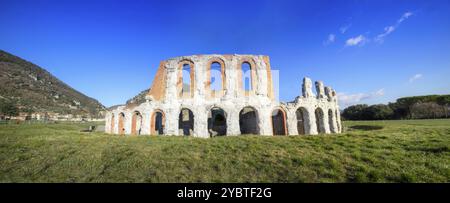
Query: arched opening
point(216, 76)
point(157, 125)
point(279, 122)
point(217, 122)
point(320, 120)
point(301, 115)
point(246, 70)
point(337, 122)
point(330, 121)
point(121, 127)
point(186, 82)
point(112, 123)
point(186, 122)
point(248, 121)
point(136, 123)
point(186, 88)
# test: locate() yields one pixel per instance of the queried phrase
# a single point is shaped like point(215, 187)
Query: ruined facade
point(187, 98)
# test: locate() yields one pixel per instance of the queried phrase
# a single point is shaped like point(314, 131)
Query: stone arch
point(120, 125)
point(320, 120)
point(158, 121)
point(112, 123)
point(252, 66)
point(212, 92)
point(182, 93)
point(186, 122)
point(278, 119)
point(248, 121)
point(217, 122)
point(331, 121)
point(302, 117)
point(136, 123)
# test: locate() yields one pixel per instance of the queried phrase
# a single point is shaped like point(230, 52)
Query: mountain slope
point(31, 87)
point(138, 99)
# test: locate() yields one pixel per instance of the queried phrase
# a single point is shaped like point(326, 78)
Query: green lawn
point(401, 151)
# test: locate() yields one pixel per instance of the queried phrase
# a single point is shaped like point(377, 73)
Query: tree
point(444, 101)
point(429, 106)
point(399, 111)
point(355, 112)
point(426, 110)
point(378, 112)
point(405, 103)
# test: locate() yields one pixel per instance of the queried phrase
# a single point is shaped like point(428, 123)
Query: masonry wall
point(165, 96)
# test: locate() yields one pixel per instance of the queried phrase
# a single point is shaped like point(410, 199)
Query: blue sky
point(369, 51)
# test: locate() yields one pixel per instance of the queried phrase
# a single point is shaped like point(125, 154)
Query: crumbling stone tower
point(188, 104)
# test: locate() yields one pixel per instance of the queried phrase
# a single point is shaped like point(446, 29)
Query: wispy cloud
point(379, 93)
point(346, 100)
point(415, 77)
point(344, 28)
point(389, 29)
point(405, 16)
point(331, 38)
point(358, 40)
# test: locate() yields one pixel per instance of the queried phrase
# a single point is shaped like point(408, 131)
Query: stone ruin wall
point(171, 111)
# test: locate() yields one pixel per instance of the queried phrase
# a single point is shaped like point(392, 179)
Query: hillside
point(138, 99)
point(34, 89)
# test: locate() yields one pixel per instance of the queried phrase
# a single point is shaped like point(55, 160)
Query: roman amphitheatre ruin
point(242, 101)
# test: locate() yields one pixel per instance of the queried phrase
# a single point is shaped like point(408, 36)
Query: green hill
point(30, 87)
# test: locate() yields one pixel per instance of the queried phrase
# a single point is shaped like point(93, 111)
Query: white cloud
point(389, 29)
point(379, 93)
point(415, 77)
point(359, 40)
point(405, 16)
point(346, 100)
point(331, 38)
point(344, 28)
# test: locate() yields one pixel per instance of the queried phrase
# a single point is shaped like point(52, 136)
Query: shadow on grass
point(434, 150)
point(366, 127)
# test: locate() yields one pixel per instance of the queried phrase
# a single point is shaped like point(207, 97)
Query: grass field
point(381, 151)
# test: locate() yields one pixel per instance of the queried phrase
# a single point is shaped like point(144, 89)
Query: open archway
point(217, 122)
point(279, 122)
point(331, 121)
point(186, 122)
point(248, 121)
point(136, 123)
point(246, 75)
point(320, 123)
point(186, 81)
point(216, 81)
point(301, 115)
point(338, 124)
point(121, 127)
point(157, 123)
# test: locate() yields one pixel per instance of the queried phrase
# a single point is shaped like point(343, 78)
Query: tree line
point(417, 107)
point(8, 108)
